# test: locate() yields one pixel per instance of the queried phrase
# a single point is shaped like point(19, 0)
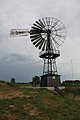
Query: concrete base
point(50, 80)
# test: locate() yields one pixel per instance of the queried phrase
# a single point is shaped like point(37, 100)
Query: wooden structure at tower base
point(50, 80)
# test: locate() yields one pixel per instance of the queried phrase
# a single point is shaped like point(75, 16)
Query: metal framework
point(49, 66)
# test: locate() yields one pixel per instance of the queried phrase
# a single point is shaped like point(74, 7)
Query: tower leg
point(49, 66)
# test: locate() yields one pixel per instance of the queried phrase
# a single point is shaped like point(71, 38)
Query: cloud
point(14, 57)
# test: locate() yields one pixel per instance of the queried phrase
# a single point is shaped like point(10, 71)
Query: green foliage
point(12, 80)
point(2, 81)
point(35, 80)
point(71, 83)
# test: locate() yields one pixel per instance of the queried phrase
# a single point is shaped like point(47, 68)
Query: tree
point(35, 80)
point(12, 80)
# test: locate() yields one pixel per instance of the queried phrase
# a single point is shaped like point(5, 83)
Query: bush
point(12, 80)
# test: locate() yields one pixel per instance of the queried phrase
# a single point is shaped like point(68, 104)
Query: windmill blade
point(60, 36)
point(59, 29)
point(39, 24)
point(44, 21)
point(35, 28)
point(47, 21)
point(55, 41)
point(35, 35)
point(19, 32)
point(59, 40)
point(37, 40)
point(55, 23)
point(44, 44)
point(41, 44)
point(33, 39)
point(62, 29)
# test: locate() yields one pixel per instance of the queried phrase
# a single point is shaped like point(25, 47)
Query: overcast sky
point(18, 57)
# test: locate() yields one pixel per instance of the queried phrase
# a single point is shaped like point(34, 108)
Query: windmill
point(47, 34)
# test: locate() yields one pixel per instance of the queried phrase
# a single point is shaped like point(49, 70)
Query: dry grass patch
point(8, 117)
point(9, 92)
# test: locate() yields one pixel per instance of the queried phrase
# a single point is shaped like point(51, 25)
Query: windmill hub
point(48, 31)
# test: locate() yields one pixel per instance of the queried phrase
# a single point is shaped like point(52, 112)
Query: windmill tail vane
point(19, 32)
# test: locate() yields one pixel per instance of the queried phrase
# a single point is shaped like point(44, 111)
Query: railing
point(49, 51)
point(59, 91)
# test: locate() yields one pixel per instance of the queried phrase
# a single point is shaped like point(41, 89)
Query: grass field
point(38, 104)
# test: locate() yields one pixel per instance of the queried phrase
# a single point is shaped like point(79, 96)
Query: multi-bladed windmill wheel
point(45, 28)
